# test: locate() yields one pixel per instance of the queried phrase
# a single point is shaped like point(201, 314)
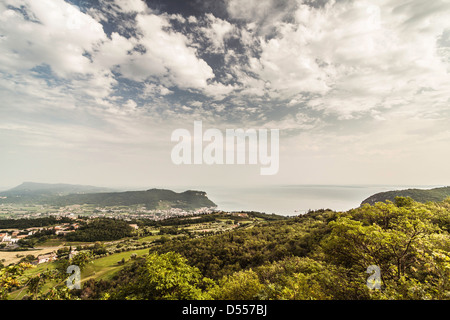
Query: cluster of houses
point(15, 236)
point(11, 238)
point(52, 256)
point(127, 213)
point(65, 228)
point(45, 258)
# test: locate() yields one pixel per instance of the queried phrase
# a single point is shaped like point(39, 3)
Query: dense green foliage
point(179, 221)
point(50, 284)
point(201, 218)
point(419, 195)
point(318, 255)
point(162, 277)
point(151, 199)
point(29, 223)
point(9, 277)
point(324, 255)
point(264, 216)
point(223, 254)
point(101, 230)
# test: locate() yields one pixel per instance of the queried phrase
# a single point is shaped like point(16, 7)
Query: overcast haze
point(90, 91)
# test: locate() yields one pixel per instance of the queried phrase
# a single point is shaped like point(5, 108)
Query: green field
point(104, 268)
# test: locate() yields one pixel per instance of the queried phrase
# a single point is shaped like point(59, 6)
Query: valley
point(140, 252)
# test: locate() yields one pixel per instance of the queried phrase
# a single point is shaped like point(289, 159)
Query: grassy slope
point(104, 268)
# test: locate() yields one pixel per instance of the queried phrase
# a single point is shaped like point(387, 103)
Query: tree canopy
point(403, 247)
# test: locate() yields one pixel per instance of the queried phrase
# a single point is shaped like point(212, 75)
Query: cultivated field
point(15, 256)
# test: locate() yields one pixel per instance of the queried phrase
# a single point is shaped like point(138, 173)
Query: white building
point(6, 238)
point(46, 258)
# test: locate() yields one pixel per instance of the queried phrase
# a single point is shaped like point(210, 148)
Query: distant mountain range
point(419, 195)
point(67, 194)
point(33, 191)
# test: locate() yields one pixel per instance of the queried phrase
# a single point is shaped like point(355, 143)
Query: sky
point(91, 91)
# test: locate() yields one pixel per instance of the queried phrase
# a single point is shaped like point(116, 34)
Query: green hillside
point(320, 255)
point(419, 195)
point(66, 194)
point(382, 252)
point(152, 199)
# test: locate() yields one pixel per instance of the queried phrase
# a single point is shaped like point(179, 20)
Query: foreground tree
point(242, 285)
point(164, 277)
point(401, 240)
point(11, 277)
point(51, 284)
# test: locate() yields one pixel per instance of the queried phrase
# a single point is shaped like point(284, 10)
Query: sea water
point(295, 199)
